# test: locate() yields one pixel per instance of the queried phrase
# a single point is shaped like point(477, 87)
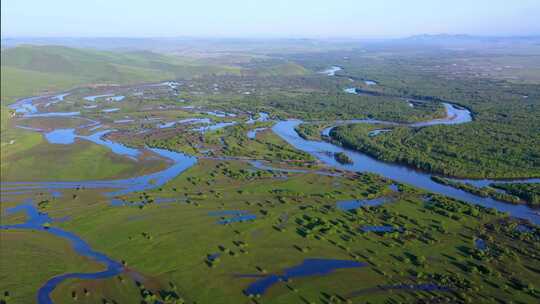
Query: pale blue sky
point(268, 18)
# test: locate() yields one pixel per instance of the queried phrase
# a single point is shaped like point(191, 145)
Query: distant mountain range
point(186, 44)
point(261, 46)
point(468, 38)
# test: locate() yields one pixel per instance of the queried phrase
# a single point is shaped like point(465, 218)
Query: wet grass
point(296, 219)
point(166, 247)
point(33, 258)
point(30, 158)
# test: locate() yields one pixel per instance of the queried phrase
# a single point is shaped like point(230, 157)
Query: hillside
point(28, 70)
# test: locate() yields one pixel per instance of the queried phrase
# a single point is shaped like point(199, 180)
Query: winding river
point(36, 220)
point(180, 162)
point(400, 173)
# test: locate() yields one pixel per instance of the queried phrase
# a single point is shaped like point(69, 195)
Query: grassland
point(29, 70)
point(297, 219)
point(33, 258)
point(166, 237)
point(82, 161)
point(18, 83)
point(27, 156)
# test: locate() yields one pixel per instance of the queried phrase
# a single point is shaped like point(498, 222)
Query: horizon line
point(254, 37)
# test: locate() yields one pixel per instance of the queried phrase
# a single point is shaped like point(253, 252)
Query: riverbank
point(324, 151)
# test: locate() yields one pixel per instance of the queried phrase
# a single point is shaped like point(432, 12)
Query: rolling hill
point(28, 70)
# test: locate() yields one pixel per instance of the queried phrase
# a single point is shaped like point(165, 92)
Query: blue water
point(25, 105)
point(377, 132)
point(309, 267)
point(116, 98)
point(326, 131)
point(350, 90)
point(262, 117)
point(238, 219)
point(122, 121)
point(524, 229)
point(252, 134)
point(185, 121)
point(94, 97)
point(227, 213)
point(53, 114)
point(235, 216)
point(220, 114)
point(36, 221)
point(61, 136)
point(216, 126)
point(166, 125)
point(363, 163)
point(28, 128)
point(331, 71)
point(355, 204)
point(95, 127)
point(67, 136)
point(91, 123)
point(116, 202)
point(56, 194)
point(181, 162)
point(56, 99)
point(170, 84)
point(214, 256)
point(454, 115)
point(380, 229)
point(166, 200)
point(480, 183)
point(111, 110)
point(480, 244)
point(60, 97)
point(116, 148)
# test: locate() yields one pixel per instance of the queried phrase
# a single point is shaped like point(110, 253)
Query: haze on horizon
point(268, 19)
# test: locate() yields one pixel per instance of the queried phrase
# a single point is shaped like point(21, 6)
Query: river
point(180, 162)
point(36, 220)
point(400, 173)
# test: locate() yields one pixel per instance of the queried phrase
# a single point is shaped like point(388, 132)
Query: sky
point(268, 18)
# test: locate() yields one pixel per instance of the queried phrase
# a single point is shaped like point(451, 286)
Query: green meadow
point(166, 246)
point(180, 242)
